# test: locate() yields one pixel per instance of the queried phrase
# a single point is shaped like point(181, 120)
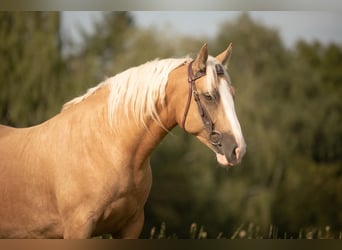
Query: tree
point(30, 66)
point(308, 194)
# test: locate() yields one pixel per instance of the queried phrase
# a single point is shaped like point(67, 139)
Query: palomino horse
point(86, 171)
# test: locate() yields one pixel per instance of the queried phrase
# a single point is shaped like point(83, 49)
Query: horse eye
point(208, 97)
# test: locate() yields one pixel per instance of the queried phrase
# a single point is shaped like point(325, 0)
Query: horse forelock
point(212, 81)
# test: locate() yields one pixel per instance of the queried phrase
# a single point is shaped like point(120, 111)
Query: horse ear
point(200, 62)
point(224, 57)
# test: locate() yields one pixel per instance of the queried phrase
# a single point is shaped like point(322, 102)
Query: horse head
point(204, 99)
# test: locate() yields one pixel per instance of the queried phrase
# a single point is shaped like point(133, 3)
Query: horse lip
point(221, 157)
point(222, 160)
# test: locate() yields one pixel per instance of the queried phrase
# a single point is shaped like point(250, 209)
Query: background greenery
point(288, 103)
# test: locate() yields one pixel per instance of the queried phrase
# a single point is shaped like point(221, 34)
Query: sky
point(325, 26)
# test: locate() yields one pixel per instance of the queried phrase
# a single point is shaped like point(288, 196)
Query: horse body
point(25, 191)
point(76, 175)
point(64, 186)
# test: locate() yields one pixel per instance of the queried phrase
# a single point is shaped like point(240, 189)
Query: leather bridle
point(215, 137)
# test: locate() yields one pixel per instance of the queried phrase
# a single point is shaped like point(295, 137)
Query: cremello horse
point(86, 171)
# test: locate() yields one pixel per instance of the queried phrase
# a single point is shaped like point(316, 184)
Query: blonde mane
point(138, 89)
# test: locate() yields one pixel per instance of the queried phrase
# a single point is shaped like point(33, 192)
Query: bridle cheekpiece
point(215, 137)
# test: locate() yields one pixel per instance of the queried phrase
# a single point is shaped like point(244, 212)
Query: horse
point(86, 171)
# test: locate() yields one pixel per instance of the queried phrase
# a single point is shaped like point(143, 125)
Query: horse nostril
point(235, 153)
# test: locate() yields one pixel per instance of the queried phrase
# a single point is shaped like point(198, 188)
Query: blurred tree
point(30, 66)
point(316, 93)
point(101, 52)
point(109, 41)
point(308, 194)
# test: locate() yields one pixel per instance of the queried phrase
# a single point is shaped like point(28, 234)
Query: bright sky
point(325, 26)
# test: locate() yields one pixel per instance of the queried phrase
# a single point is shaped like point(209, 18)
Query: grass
point(249, 231)
point(244, 231)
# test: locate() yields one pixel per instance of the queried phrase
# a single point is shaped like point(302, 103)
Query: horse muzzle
point(231, 153)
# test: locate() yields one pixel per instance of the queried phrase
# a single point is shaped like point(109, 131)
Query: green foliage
point(322, 184)
point(288, 103)
point(30, 66)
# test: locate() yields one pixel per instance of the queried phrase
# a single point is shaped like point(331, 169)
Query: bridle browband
point(215, 137)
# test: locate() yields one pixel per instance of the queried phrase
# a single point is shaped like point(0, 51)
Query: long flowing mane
point(137, 89)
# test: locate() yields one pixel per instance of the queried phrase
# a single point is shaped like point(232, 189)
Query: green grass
point(248, 231)
point(244, 231)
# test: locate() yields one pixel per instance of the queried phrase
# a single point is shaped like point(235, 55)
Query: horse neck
point(89, 121)
point(140, 141)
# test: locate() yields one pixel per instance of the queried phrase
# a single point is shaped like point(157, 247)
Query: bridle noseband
point(215, 137)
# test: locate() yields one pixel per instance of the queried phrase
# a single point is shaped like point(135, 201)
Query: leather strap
point(192, 89)
point(215, 137)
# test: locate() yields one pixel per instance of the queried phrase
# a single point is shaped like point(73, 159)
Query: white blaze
point(229, 110)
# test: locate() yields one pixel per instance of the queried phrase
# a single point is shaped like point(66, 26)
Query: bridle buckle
point(215, 138)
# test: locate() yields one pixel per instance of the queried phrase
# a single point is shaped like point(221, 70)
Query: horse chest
point(126, 206)
point(118, 214)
